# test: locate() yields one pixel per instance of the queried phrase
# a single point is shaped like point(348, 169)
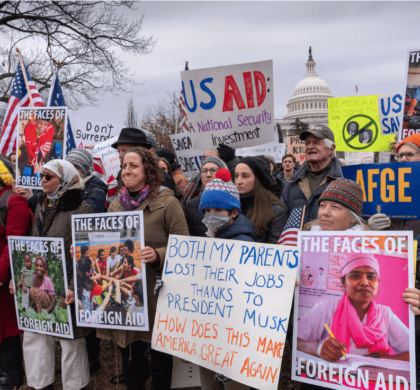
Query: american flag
point(56, 99)
point(19, 97)
point(290, 232)
point(183, 121)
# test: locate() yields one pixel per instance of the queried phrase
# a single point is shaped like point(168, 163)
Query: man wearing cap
point(321, 167)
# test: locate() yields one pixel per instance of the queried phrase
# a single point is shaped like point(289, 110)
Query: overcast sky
point(363, 43)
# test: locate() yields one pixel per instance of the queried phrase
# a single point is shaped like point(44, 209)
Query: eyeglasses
point(47, 176)
point(211, 170)
point(409, 156)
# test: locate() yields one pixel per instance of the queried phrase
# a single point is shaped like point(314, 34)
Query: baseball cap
point(318, 131)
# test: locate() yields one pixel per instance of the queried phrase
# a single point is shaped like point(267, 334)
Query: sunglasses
point(47, 176)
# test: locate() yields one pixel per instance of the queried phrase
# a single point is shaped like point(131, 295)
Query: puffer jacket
point(56, 222)
point(194, 217)
point(162, 216)
point(242, 229)
point(297, 191)
point(95, 194)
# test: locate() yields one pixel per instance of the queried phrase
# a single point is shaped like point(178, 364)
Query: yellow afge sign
point(356, 125)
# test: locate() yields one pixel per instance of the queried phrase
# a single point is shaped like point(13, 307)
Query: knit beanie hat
point(220, 193)
point(214, 160)
point(414, 139)
point(82, 159)
point(169, 156)
point(7, 174)
point(261, 168)
point(346, 192)
point(270, 159)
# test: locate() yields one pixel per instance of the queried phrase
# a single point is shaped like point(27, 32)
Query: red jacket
point(17, 224)
point(35, 144)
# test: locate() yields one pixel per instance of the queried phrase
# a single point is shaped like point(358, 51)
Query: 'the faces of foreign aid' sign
point(225, 305)
point(230, 105)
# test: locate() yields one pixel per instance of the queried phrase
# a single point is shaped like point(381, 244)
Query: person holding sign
point(61, 198)
point(162, 215)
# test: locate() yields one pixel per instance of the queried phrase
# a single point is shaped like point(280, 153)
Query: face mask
point(214, 222)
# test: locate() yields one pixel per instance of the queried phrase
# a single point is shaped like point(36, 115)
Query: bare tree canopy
point(84, 39)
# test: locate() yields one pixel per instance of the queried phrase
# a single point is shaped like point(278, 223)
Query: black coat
point(194, 216)
point(95, 194)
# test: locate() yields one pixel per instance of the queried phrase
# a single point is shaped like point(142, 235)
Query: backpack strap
point(4, 204)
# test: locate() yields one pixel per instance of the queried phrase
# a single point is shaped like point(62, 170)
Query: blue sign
point(392, 189)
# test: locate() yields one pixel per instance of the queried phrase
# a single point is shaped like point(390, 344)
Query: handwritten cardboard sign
point(324, 298)
point(89, 133)
point(189, 158)
point(356, 124)
point(230, 105)
point(390, 109)
point(225, 305)
point(296, 146)
point(391, 189)
point(410, 117)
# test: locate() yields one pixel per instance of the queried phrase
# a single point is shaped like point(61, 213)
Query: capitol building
point(309, 100)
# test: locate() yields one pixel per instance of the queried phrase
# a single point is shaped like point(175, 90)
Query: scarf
point(373, 335)
point(192, 190)
point(45, 264)
point(130, 203)
point(69, 178)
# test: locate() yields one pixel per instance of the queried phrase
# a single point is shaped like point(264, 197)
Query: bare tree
point(132, 118)
point(85, 40)
point(161, 119)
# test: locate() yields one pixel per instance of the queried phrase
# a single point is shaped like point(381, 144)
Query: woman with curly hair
point(162, 216)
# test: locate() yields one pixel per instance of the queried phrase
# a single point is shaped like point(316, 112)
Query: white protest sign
point(356, 158)
point(230, 105)
point(189, 158)
point(225, 305)
point(89, 133)
point(108, 156)
point(384, 157)
point(184, 374)
point(390, 108)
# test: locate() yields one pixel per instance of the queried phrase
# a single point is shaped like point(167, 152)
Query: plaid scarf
point(192, 191)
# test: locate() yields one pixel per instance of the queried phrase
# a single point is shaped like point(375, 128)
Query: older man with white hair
point(307, 184)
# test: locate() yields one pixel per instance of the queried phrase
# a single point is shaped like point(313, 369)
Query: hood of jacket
point(242, 226)
point(71, 200)
point(94, 181)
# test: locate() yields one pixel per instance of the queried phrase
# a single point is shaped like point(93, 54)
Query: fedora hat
point(132, 136)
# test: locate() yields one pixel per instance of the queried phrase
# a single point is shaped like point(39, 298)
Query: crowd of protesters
point(244, 199)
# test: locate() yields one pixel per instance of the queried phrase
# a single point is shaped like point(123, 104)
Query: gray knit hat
point(82, 159)
point(214, 160)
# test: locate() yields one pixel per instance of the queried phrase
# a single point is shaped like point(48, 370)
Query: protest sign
point(108, 156)
point(377, 355)
point(90, 133)
point(296, 146)
point(355, 158)
point(411, 115)
point(231, 105)
point(356, 124)
point(110, 243)
point(384, 157)
point(40, 139)
point(189, 158)
point(389, 189)
point(390, 109)
point(41, 262)
point(225, 305)
point(184, 374)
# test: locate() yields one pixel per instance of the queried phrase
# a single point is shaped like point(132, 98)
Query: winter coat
point(17, 224)
point(297, 191)
point(242, 230)
point(194, 217)
point(280, 176)
point(180, 180)
point(406, 224)
point(95, 194)
point(162, 216)
point(56, 222)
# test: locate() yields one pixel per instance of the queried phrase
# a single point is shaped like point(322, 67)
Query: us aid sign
point(230, 105)
point(391, 189)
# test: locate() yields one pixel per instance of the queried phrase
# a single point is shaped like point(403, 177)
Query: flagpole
point(303, 217)
point(24, 77)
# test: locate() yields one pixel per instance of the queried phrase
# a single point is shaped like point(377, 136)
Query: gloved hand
point(226, 153)
point(379, 222)
point(158, 285)
point(222, 378)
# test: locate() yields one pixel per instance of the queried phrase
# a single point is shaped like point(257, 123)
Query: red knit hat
point(414, 139)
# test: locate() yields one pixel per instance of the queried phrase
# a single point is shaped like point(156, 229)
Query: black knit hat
point(346, 192)
point(261, 169)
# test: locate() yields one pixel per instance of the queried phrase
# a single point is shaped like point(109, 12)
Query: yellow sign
point(356, 124)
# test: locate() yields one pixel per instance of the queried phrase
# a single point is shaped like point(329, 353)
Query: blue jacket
point(94, 194)
point(242, 229)
point(280, 176)
point(297, 191)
